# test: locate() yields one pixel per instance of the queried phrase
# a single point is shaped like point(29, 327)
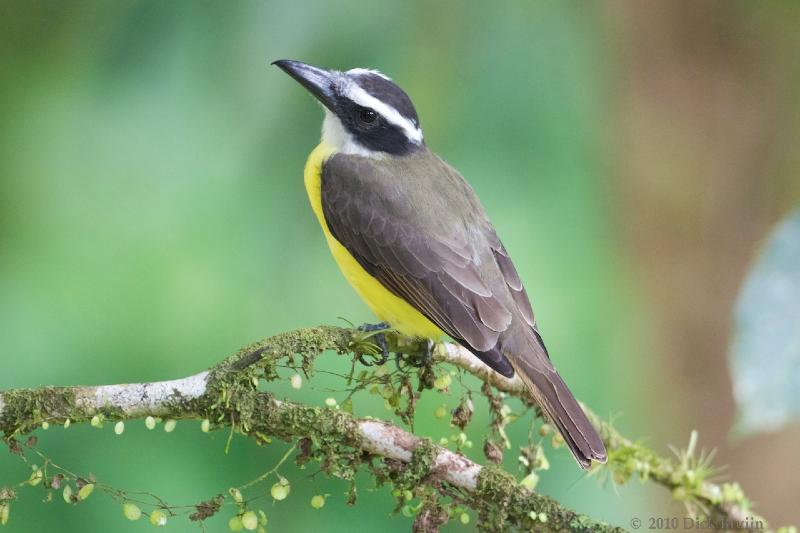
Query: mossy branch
point(686, 476)
point(228, 395)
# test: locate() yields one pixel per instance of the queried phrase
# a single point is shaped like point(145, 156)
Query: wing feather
point(451, 268)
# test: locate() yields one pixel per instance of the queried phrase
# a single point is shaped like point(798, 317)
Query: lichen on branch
point(442, 480)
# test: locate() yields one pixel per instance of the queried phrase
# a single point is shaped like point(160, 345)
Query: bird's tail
point(560, 406)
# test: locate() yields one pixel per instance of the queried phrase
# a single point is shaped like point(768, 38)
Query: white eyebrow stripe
point(361, 71)
point(363, 98)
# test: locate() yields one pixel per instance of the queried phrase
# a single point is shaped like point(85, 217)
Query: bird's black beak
point(318, 81)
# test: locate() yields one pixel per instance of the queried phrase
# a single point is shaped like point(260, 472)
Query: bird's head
point(366, 113)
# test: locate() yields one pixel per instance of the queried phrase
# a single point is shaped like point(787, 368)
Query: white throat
point(338, 138)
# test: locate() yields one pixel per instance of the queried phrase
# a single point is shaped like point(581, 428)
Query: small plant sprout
point(296, 381)
point(150, 422)
point(36, 476)
point(131, 511)
point(530, 481)
point(119, 427)
point(66, 423)
point(236, 494)
point(158, 518)
point(169, 425)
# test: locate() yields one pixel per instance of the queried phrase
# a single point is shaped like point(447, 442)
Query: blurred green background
point(632, 155)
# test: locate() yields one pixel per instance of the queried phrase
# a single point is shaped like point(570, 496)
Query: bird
point(411, 237)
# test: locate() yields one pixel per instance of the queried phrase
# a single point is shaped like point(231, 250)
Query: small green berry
point(443, 381)
point(67, 493)
point(169, 425)
point(66, 423)
point(119, 427)
point(96, 422)
point(45, 425)
point(150, 422)
point(330, 402)
point(205, 425)
point(279, 490)
point(235, 524)
point(131, 511)
point(250, 521)
point(85, 491)
point(318, 501)
point(158, 518)
point(5, 511)
point(441, 412)
point(296, 381)
point(464, 518)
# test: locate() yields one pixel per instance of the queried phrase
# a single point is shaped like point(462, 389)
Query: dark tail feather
point(566, 414)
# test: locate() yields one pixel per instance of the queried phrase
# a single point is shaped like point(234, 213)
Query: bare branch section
point(227, 394)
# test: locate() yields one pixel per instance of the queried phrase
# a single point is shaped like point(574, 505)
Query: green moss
point(415, 472)
point(328, 436)
point(26, 409)
point(511, 505)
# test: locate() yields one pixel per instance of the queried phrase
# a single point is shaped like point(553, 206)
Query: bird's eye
point(367, 116)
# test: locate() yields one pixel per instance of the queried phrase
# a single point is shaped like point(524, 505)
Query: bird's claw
point(380, 340)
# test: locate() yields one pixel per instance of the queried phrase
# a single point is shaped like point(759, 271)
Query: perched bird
point(415, 243)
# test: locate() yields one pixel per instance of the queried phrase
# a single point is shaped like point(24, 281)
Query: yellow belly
point(387, 306)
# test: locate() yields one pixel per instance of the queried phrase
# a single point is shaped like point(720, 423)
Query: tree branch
point(722, 503)
point(227, 395)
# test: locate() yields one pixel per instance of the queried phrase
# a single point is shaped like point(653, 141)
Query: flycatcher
point(414, 241)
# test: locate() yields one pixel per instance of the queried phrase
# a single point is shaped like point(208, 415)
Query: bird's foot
point(380, 340)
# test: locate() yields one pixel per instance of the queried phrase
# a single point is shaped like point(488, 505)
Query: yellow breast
point(386, 305)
